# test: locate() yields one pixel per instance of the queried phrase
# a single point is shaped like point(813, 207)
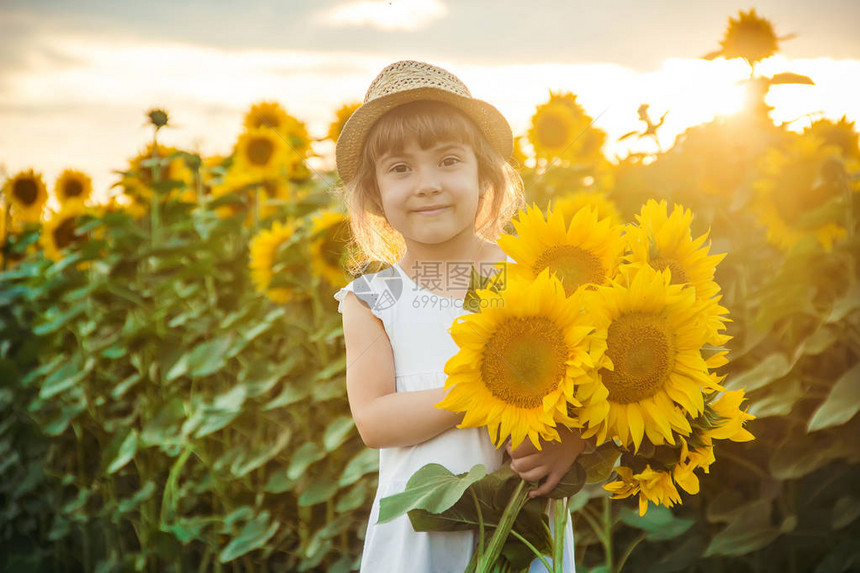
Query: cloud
point(394, 15)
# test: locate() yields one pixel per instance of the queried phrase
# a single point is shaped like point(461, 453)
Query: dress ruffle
point(340, 296)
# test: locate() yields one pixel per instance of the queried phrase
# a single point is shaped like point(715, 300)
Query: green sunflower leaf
point(841, 404)
point(432, 488)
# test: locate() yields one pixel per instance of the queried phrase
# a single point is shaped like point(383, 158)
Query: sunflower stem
point(480, 523)
point(3, 247)
point(534, 550)
point(560, 517)
point(594, 523)
point(849, 223)
point(154, 199)
point(607, 535)
point(500, 535)
point(629, 550)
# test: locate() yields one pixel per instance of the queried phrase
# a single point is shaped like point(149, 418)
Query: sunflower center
point(73, 189)
point(524, 361)
point(260, 150)
point(26, 191)
point(642, 350)
point(64, 234)
point(678, 274)
point(573, 265)
point(552, 131)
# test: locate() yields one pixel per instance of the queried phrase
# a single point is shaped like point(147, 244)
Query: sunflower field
point(172, 371)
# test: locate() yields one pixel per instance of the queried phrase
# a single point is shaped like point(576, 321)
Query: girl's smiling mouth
point(431, 211)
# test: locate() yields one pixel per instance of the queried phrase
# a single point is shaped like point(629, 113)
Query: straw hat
point(407, 81)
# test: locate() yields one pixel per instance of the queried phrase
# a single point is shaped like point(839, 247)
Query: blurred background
point(74, 78)
point(172, 368)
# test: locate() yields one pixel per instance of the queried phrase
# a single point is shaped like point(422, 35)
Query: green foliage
point(788, 499)
point(158, 414)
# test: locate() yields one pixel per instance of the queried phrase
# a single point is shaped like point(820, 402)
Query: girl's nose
point(429, 186)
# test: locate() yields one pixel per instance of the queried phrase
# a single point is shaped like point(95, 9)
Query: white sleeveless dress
point(417, 322)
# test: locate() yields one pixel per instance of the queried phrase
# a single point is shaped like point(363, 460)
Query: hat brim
point(489, 120)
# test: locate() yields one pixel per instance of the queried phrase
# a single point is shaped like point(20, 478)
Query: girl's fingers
point(534, 474)
point(526, 463)
point(547, 486)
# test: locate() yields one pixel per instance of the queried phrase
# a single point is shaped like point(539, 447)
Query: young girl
point(428, 188)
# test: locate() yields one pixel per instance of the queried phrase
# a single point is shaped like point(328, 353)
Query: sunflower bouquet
point(613, 330)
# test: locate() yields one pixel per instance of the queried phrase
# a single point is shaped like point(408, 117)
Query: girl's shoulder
point(378, 290)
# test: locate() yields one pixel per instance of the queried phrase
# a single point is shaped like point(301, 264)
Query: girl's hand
point(551, 462)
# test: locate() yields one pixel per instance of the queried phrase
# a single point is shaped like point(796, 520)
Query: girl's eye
point(451, 157)
point(394, 168)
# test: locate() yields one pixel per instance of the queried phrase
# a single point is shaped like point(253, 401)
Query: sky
point(76, 79)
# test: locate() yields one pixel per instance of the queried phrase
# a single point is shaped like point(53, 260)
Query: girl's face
point(430, 196)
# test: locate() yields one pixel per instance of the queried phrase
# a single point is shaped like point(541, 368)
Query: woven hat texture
point(407, 81)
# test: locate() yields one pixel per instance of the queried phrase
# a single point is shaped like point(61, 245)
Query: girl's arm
point(551, 462)
point(385, 418)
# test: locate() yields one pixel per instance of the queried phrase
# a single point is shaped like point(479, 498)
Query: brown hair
point(430, 122)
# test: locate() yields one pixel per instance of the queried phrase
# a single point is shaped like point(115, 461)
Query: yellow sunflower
point(271, 193)
point(749, 37)
point(690, 460)
point(73, 184)
point(552, 129)
point(654, 371)
point(797, 192)
point(666, 242)
point(571, 203)
point(213, 169)
point(26, 194)
point(656, 486)
point(585, 252)
point(733, 419)
point(652, 485)
point(343, 114)
point(59, 230)
point(8, 223)
point(684, 475)
point(261, 154)
point(236, 182)
point(330, 235)
point(265, 250)
point(270, 116)
point(561, 129)
point(522, 359)
point(145, 171)
point(266, 114)
point(841, 134)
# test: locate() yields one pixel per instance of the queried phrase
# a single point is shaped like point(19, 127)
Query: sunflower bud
point(158, 118)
